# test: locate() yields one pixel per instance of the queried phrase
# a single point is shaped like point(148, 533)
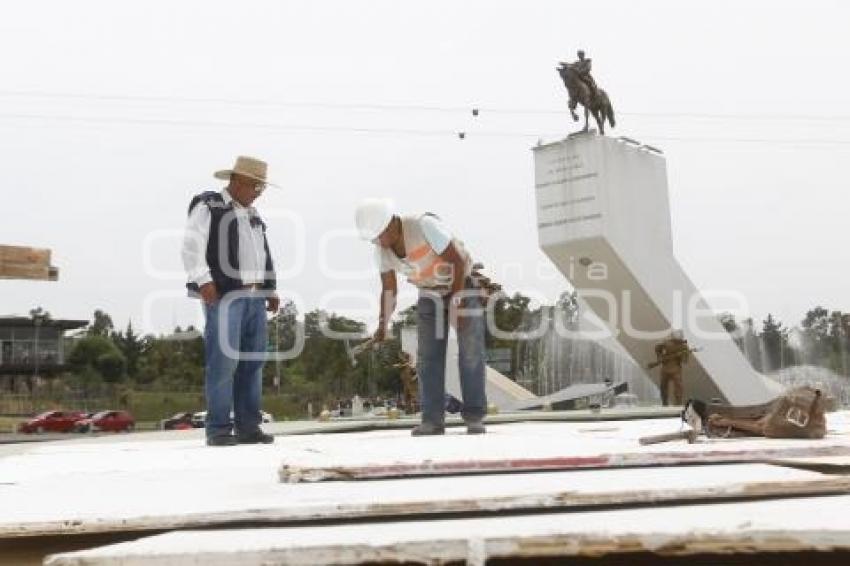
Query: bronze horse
point(599, 105)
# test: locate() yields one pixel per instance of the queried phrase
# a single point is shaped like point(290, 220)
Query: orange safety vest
point(428, 269)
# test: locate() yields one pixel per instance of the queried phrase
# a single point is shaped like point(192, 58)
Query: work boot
point(428, 429)
point(222, 440)
point(475, 426)
point(256, 437)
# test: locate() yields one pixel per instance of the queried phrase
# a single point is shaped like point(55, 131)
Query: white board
point(790, 525)
point(134, 500)
point(143, 481)
point(541, 446)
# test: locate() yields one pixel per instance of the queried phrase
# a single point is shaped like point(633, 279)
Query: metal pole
point(277, 358)
point(37, 322)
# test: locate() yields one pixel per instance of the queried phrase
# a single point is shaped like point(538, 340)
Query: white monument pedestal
point(603, 218)
point(502, 392)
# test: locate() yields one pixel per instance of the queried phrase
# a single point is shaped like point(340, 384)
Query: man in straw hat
point(227, 260)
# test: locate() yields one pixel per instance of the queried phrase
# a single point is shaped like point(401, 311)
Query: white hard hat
point(373, 215)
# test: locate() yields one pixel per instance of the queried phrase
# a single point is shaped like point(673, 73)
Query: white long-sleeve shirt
point(252, 253)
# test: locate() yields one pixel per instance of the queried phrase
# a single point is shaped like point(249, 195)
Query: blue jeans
point(233, 383)
point(432, 325)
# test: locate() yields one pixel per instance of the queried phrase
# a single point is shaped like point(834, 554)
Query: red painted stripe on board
point(576, 462)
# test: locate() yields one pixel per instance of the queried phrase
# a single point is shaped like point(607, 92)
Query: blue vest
point(218, 210)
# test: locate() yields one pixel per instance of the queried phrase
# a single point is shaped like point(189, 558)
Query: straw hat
point(247, 167)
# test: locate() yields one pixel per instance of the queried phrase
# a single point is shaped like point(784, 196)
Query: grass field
point(155, 406)
point(9, 424)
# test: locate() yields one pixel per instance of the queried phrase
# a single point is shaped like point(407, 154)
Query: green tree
point(735, 330)
point(839, 333)
point(326, 355)
point(132, 346)
point(101, 325)
point(98, 354)
point(173, 362)
point(402, 319)
point(112, 367)
point(826, 338)
point(816, 334)
point(511, 312)
point(775, 340)
point(40, 315)
point(727, 319)
point(283, 328)
point(283, 331)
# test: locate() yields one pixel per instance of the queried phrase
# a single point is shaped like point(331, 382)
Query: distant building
point(184, 335)
point(32, 348)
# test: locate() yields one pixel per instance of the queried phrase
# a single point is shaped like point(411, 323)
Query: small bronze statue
point(582, 89)
point(671, 355)
point(409, 382)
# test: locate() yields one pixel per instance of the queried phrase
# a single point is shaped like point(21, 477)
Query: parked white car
point(200, 417)
point(378, 411)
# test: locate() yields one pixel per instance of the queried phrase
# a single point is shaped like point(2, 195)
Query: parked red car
point(107, 421)
point(52, 421)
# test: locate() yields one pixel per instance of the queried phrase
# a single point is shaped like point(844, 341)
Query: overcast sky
point(114, 114)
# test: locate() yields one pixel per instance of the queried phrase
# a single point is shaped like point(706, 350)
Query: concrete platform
point(170, 481)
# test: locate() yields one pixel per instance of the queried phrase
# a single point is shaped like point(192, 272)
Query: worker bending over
point(421, 248)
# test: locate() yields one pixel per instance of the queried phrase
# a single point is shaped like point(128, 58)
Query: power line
point(237, 102)
point(397, 131)
point(472, 108)
point(215, 124)
point(791, 141)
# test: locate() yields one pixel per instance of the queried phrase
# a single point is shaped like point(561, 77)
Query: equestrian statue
point(582, 89)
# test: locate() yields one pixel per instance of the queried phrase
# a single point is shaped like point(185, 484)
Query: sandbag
point(798, 413)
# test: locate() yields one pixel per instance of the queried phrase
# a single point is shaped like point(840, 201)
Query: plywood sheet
point(155, 481)
point(540, 446)
point(820, 524)
point(120, 502)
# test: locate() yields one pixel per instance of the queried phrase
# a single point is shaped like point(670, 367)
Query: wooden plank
point(18, 262)
point(826, 464)
point(819, 524)
point(21, 271)
point(102, 503)
point(24, 255)
point(293, 473)
point(540, 446)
